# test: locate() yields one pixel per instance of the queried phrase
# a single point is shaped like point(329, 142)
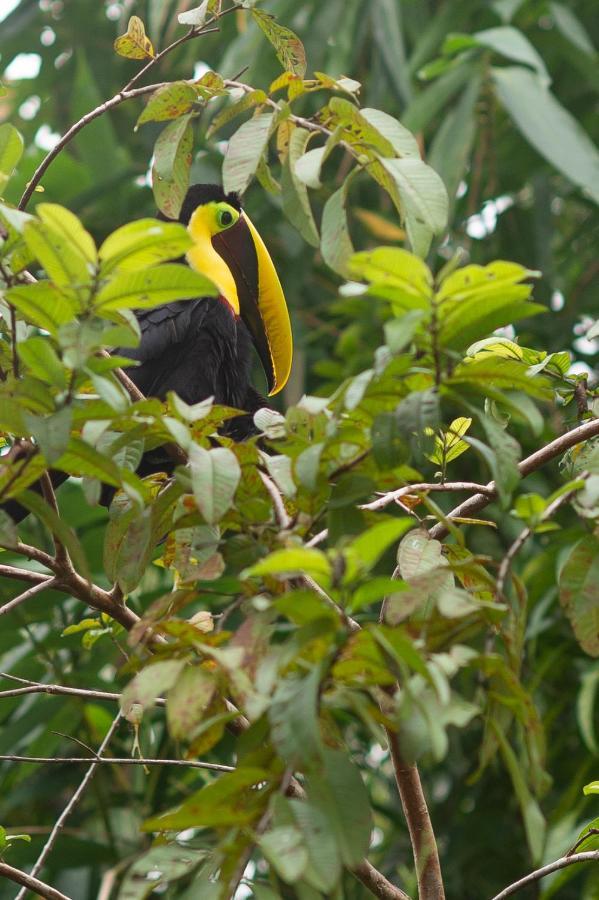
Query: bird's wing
point(164, 326)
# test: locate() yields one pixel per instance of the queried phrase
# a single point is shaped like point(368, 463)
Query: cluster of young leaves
point(377, 143)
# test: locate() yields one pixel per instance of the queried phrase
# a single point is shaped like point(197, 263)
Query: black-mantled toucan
point(202, 347)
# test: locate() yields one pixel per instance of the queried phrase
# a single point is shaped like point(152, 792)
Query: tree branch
point(33, 884)
point(30, 592)
point(447, 486)
point(36, 687)
point(422, 836)
point(59, 824)
point(533, 462)
point(23, 574)
point(118, 761)
point(588, 856)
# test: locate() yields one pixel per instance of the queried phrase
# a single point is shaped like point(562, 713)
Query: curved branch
point(446, 487)
point(533, 462)
point(33, 884)
point(589, 856)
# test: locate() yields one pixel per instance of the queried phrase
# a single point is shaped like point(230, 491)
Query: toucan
point(201, 347)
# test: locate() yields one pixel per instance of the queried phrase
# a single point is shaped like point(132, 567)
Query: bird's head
point(228, 249)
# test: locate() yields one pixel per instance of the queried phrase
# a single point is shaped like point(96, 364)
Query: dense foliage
point(308, 613)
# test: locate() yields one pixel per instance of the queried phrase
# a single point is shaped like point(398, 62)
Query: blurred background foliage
point(509, 200)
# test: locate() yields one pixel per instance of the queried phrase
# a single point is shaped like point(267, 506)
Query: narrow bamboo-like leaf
point(540, 117)
point(245, 152)
point(513, 44)
point(142, 290)
point(134, 44)
point(288, 47)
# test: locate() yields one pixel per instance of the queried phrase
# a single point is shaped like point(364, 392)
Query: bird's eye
point(225, 218)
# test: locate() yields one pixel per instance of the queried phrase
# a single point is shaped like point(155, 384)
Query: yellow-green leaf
point(134, 44)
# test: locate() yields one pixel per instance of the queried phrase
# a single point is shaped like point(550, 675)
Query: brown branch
point(59, 824)
point(30, 592)
point(588, 856)
point(422, 836)
point(118, 761)
point(23, 574)
point(446, 487)
point(39, 556)
point(33, 884)
point(36, 687)
point(533, 462)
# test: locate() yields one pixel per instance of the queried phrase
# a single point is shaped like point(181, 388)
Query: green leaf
point(293, 715)
point(248, 101)
point(294, 561)
point(534, 820)
point(41, 359)
point(284, 848)
point(571, 27)
point(141, 244)
point(324, 861)
point(234, 799)
point(540, 117)
point(60, 256)
point(58, 527)
point(127, 543)
point(308, 166)
point(424, 201)
point(215, 475)
point(296, 204)
point(401, 138)
point(363, 553)
point(188, 700)
point(52, 433)
point(398, 275)
point(506, 374)
point(336, 789)
point(288, 47)
point(335, 242)
point(510, 42)
point(389, 448)
point(170, 172)
point(11, 150)
point(579, 592)
point(585, 706)
point(68, 225)
point(452, 144)
point(148, 288)
point(149, 684)
point(169, 102)
point(244, 152)
point(134, 44)
point(591, 788)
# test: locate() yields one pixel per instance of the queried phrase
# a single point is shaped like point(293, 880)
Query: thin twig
point(44, 559)
point(118, 761)
point(34, 687)
point(282, 517)
point(526, 533)
point(61, 556)
point(588, 856)
point(59, 824)
point(33, 884)
point(533, 462)
point(446, 487)
point(30, 592)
